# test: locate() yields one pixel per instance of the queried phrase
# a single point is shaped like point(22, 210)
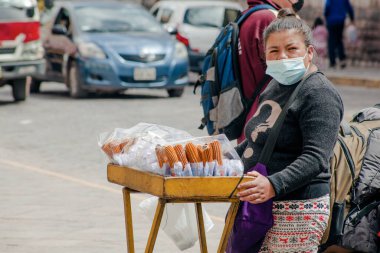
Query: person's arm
point(350, 11)
point(319, 120)
point(252, 34)
point(261, 25)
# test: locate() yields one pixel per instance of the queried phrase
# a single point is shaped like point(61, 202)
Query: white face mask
point(287, 71)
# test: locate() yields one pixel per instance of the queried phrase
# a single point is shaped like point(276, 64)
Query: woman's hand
point(256, 191)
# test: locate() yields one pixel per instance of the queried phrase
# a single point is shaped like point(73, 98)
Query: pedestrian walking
point(335, 13)
point(320, 35)
point(251, 53)
point(298, 168)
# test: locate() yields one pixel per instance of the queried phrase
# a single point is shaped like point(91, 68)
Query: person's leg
point(340, 45)
point(331, 44)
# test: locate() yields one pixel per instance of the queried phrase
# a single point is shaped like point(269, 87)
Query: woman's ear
point(310, 52)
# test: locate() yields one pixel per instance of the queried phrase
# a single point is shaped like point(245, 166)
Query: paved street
point(54, 194)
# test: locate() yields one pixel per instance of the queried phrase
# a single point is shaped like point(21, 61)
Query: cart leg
point(228, 226)
point(128, 219)
point(201, 228)
point(155, 226)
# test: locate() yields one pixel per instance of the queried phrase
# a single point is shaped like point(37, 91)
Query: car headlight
point(90, 50)
point(180, 51)
point(33, 49)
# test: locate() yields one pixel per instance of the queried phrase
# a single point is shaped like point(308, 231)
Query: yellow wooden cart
point(175, 190)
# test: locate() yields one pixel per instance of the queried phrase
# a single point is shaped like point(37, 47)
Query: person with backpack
point(310, 111)
point(233, 72)
point(251, 53)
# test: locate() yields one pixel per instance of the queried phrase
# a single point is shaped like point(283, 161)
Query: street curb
point(356, 82)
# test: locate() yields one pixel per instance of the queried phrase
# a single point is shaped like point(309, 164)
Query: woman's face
point(287, 44)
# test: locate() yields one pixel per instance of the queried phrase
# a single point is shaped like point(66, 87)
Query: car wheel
point(74, 83)
point(19, 89)
point(35, 86)
point(175, 93)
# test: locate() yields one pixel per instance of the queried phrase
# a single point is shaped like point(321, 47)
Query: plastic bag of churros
point(171, 152)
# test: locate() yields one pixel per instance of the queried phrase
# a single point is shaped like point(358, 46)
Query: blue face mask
point(287, 71)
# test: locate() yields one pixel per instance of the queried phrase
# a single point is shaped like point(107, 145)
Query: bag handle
point(267, 151)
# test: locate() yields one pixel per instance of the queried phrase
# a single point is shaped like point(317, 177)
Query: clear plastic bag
point(135, 146)
point(178, 222)
point(171, 152)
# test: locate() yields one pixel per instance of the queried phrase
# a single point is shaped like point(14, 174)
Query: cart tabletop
point(178, 188)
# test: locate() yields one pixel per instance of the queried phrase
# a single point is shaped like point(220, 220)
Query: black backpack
point(355, 185)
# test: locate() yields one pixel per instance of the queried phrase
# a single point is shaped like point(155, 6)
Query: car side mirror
point(172, 30)
point(59, 30)
point(49, 4)
point(30, 12)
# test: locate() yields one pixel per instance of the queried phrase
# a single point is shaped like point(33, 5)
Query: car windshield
point(111, 19)
point(210, 16)
point(19, 10)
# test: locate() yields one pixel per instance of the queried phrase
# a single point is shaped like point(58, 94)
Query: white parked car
point(197, 23)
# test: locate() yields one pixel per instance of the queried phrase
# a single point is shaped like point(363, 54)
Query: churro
point(217, 151)
point(207, 151)
point(172, 156)
point(116, 146)
point(161, 156)
point(180, 151)
point(201, 154)
point(192, 153)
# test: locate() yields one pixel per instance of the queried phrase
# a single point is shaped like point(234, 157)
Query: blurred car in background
point(197, 23)
point(21, 52)
point(111, 46)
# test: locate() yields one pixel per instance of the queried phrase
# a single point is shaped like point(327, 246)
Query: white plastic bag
point(178, 221)
point(352, 35)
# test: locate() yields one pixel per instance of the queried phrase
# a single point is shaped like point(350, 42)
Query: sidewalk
point(350, 76)
point(355, 76)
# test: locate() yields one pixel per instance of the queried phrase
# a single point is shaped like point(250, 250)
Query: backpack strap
point(235, 39)
point(350, 162)
point(346, 129)
point(378, 222)
point(361, 212)
point(252, 10)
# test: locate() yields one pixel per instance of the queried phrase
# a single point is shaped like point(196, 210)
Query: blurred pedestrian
point(251, 52)
point(335, 13)
point(298, 178)
point(320, 35)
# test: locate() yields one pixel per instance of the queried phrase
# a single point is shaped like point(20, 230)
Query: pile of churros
point(169, 153)
point(112, 147)
point(191, 159)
